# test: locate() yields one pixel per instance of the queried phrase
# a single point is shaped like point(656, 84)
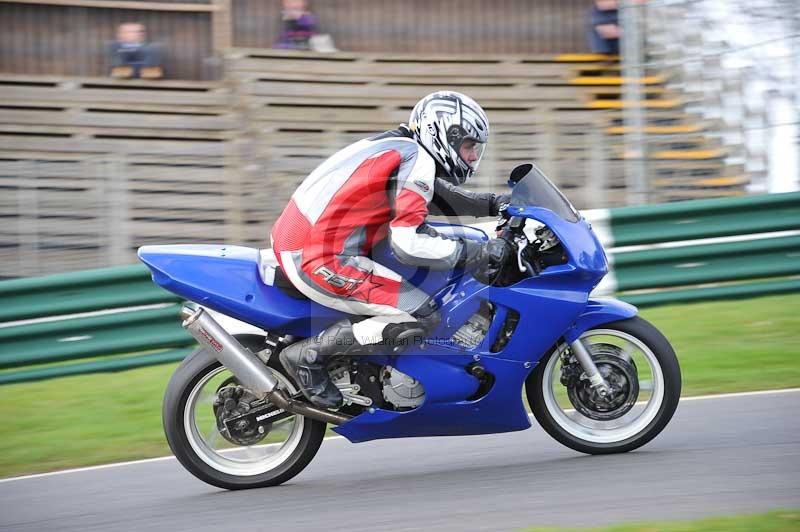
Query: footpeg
point(350, 395)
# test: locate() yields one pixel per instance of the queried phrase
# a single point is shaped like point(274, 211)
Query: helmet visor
point(471, 152)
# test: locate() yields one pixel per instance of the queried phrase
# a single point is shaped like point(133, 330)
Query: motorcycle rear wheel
point(190, 424)
point(641, 352)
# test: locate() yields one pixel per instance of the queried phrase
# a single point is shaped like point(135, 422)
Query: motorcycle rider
point(383, 186)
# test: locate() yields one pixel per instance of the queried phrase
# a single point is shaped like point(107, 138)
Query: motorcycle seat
point(271, 273)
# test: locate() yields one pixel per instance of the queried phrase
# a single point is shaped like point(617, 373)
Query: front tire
point(626, 350)
point(192, 430)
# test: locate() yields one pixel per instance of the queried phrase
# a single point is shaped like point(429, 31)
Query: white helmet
point(441, 122)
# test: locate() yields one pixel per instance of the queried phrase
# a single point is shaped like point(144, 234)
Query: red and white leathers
point(370, 190)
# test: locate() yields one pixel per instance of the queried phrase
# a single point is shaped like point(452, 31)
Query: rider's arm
point(409, 239)
point(452, 200)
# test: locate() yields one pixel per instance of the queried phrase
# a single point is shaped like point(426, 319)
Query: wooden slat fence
point(71, 37)
point(420, 26)
point(301, 108)
point(73, 41)
point(92, 168)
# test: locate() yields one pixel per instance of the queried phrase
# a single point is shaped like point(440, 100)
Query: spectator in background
point(132, 56)
point(298, 26)
point(604, 27)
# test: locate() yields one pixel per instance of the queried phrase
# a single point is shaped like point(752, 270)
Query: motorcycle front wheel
point(253, 455)
point(640, 366)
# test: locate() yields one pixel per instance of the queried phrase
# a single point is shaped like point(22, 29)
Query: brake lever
point(521, 246)
point(523, 264)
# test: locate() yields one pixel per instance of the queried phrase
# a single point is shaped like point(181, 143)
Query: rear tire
point(631, 430)
point(187, 439)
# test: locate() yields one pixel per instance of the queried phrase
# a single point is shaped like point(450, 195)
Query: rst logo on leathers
point(336, 280)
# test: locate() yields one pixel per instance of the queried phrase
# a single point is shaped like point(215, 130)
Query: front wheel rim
point(200, 427)
point(634, 422)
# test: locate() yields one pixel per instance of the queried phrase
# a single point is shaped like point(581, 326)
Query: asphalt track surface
point(719, 456)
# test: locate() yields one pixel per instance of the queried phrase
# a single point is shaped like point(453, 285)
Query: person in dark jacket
point(604, 27)
point(132, 56)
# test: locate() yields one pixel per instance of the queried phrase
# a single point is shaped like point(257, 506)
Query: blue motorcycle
point(598, 378)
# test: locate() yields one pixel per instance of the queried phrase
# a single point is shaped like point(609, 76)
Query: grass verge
point(777, 521)
point(93, 419)
point(734, 346)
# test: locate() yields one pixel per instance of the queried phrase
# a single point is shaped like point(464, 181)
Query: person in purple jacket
point(298, 25)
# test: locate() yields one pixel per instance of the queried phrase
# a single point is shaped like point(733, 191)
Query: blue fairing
point(598, 312)
point(449, 413)
point(226, 279)
point(546, 305)
point(546, 308)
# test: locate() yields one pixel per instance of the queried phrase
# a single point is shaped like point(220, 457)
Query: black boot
point(307, 362)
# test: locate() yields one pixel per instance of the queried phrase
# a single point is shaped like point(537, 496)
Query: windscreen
point(535, 190)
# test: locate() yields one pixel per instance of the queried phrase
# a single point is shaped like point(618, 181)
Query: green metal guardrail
point(95, 366)
point(693, 265)
point(110, 313)
point(693, 295)
point(695, 219)
point(760, 256)
point(124, 332)
point(83, 291)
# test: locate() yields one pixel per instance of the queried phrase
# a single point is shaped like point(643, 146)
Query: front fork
point(585, 360)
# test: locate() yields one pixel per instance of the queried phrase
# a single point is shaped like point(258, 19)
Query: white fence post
point(632, 58)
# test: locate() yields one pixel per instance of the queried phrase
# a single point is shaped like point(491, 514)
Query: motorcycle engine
point(402, 390)
point(472, 333)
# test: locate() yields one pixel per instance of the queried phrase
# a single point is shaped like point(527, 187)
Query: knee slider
point(401, 335)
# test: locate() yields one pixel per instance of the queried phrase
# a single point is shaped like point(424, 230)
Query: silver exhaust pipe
point(247, 367)
point(250, 371)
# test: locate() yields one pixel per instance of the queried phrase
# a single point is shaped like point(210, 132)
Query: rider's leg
point(400, 314)
point(307, 361)
point(398, 332)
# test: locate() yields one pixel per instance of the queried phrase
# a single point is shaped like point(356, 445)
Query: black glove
point(497, 255)
point(472, 253)
point(487, 258)
point(499, 203)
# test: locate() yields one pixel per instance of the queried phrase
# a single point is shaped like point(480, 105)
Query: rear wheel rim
point(211, 447)
point(635, 421)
